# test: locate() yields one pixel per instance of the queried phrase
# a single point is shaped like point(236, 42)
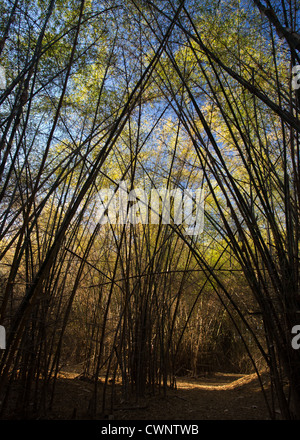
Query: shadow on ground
point(217, 397)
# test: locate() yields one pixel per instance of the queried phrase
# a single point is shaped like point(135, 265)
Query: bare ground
point(216, 397)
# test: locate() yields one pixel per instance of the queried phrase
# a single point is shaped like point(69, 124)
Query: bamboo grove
point(174, 94)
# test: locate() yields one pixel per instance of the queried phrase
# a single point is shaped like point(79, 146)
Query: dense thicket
point(178, 95)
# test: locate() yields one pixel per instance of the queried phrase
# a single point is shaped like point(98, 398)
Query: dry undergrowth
point(244, 379)
point(214, 397)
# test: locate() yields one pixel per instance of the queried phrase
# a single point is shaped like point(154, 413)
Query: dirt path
point(218, 397)
point(222, 397)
